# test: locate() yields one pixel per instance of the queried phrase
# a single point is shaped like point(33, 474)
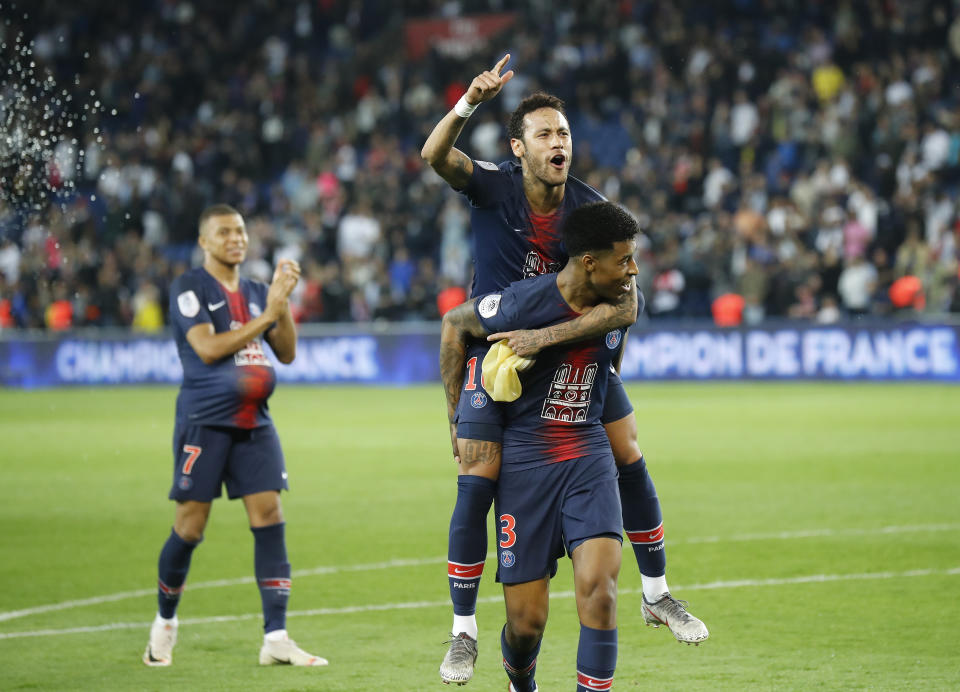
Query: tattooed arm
point(603, 318)
point(457, 325)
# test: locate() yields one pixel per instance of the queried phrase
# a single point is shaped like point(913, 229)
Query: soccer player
point(516, 211)
point(223, 431)
point(557, 489)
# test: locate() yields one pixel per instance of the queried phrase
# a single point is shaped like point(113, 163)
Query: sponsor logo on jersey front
point(478, 399)
point(507, 558)
point(489, 305)
point(569, 396)
point(188, 303)
point(252, 353)
point(535, 265)
point(613, 339)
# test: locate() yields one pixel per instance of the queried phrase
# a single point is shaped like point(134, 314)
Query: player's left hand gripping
point(487, 84)
point(522, 342)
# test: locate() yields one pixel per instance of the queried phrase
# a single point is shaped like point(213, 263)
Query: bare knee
point(525, 630)
point(597, 596)
point(263, 509)
point(191, 520)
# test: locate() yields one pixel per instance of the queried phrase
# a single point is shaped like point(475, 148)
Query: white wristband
point(464, 109)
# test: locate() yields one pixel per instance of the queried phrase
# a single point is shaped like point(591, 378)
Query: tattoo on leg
point(480, 452)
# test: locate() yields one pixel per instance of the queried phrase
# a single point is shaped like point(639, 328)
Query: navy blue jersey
point(508, 240)
point(232, 391)
point(557, 417)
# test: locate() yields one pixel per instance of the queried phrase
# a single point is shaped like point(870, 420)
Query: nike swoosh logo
point(215, 306)
point(457, 570)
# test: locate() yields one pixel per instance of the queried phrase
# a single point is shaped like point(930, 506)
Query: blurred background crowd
point(794, 158)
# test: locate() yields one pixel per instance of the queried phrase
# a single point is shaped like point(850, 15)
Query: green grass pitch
point(815, 528)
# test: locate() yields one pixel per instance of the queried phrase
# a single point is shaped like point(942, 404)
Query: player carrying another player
point(557, 490)
point(223, 432)
point(517, 209)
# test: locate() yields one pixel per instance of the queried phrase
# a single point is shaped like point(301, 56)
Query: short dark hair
point(532, 103)
point(597, 226)
point(215, 210)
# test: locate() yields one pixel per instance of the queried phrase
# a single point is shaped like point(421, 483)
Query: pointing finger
point(503, 61)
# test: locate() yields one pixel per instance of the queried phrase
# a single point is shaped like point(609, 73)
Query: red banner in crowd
point(457, 37)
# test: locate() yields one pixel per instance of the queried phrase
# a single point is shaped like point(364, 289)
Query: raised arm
point(603, 318)
point(452, 164)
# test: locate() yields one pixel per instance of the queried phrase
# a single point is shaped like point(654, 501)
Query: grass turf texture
point(766, 483)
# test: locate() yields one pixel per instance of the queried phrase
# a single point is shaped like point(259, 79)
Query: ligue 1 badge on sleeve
point(188, 303)
point(489, 305)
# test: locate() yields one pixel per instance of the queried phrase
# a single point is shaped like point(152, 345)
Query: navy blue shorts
point(207, 457)
point(479, 417)
point(549, 510)
point(617, 405)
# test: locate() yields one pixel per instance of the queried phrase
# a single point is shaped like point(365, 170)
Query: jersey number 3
point(507, 526)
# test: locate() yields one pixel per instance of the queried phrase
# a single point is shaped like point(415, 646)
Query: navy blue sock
point(596, 659)
point(521, 666)
point(172, 568)
point(467, 544)
point(642, 519)
point(273, 574)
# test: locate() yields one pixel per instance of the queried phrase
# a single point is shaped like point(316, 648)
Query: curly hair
point(528, 105)
point(597, 226)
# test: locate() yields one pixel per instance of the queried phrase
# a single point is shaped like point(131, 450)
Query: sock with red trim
point(467, 548)
point(642, 519)
point(273, 574)
point(172, 568)
point(521, 666)
point(596, 659)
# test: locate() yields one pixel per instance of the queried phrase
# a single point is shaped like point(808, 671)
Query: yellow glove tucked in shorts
point(500, 367)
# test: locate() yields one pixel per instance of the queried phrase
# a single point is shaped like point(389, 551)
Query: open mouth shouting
point(559, 161)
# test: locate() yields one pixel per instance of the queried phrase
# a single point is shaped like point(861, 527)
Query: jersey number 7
point(193, 451)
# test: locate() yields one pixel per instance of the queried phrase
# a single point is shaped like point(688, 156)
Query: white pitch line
point(418, 562)
point(123, 595)
point(413, 605)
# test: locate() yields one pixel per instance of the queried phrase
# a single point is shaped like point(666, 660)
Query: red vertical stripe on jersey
point(545, 241)
point(255, 380)
point(562, 445)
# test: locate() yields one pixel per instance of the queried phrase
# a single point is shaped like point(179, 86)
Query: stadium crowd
point(803, 155)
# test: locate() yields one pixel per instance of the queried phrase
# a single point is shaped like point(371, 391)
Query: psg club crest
point(478, 399)
point(185, 483)
point(613, 339)
point(507, 558)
